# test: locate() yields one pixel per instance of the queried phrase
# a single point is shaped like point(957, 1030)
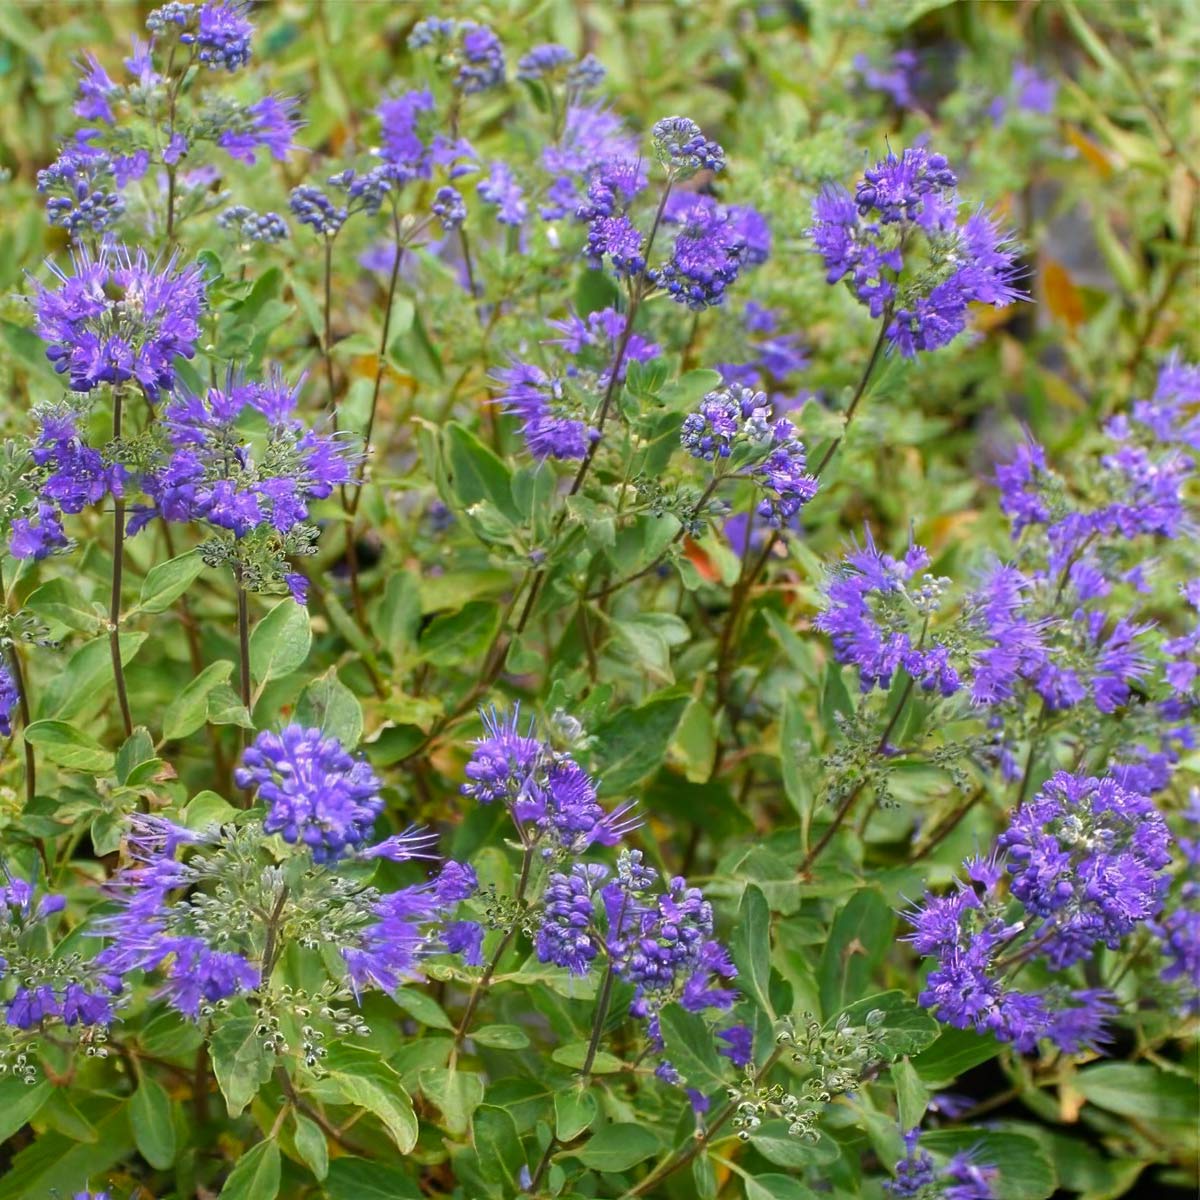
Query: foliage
point(557, 648)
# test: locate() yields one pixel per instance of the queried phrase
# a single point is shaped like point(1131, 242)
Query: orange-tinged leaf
point(1093, 153)
point(700, 560)
point(1061, 295)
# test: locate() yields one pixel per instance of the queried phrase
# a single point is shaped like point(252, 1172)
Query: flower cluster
point(64, 986)
point(660, 941)
point(899, 244)
point(1085, 859)
point(550, 797)
point(736, 416)
point(709, 251)
point(213, 472)
point(217, 32)
point(878, 619)
point(191, 906)
point(268, 228)
point(118, 317)
point(470, 51)
point(83, 192)
point(962, 1178)
point(317, 795)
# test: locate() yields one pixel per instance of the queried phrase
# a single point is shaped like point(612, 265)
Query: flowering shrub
point(599, 601)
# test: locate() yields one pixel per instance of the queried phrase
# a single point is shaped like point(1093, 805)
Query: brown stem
point(510, 934)
point(327, 338)
point(947, 827)
point(681, 1157)
point(602, 1003)
point(846, 805)
point(114, 607)
point(23, 702)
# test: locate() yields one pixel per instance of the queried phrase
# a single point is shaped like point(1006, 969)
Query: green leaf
point(55, 601)
point(632, 745)
point(256, 1175)
point(423, 1008)
point(240, 1062)
point(167, 581)
point(906, 1027)
point(365, 1080)
point(399, 618)
point(574, 1056)
point(477, 474)
point(955, 1052)
point(187, 712)
point(574, 1112)
point(690, 1049)
point(498, 1146)
point(64, 744)
point(858, 940)
point(329, 705)
point(776, 1187)
point(88, 674)
point(912, 1096)
point(455, 637)
point(280, 642)
point(136, 752)
point(751, 947)
point(1139, 1090)
point(457, 1094)
point(360, 1179)
point(618, 1147)
point(1025, 1171)
point(153, 1127)
point(311, 1145)
point(206, 809)
point(20, 1103)
point(795, 752)
point(501, 1037)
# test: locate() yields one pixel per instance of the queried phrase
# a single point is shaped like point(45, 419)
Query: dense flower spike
point(683, 149)
point(316, 793)
point(878, 622)
point(117, 317)
point(902, 204)
point(550, 797)
point(543, 408)
point(472, 52)
point(83, 192)
point(1086, 856)
point(1086, 860)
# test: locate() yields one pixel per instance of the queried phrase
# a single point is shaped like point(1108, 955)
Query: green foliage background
point(732, 752)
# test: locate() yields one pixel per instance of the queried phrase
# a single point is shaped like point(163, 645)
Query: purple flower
point(1087, 855)
point(219, 31)
point(540, 403)
point(96, 91)
point(316, 793)
point(897, 80)
point(119, 318)
point(38, 536)
point(9, 699)
point(544, 60)
point(683, 149)
point(82, 186)
point(707, 257)
point(466, 939)
point(566, 936)
point(471, 50)
point(501, 190)
point(617, 239)
point(269, 124)
point(449, 208)
point(198, 975)
point(711, 430)
point(399, 125)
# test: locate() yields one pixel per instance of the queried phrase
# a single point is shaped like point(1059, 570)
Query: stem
point(114, 608)
point(846, 805)
point(859, 391)
point(543, 1163)
point(23, 700)
point(681, 1157)
point(948, 827)
point(270, 945)
point(601, 1016)
point(748, 578)
point(507, 940)
point(328, 335)
point(635, 299)
point(243, 621)
point(379, 370)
